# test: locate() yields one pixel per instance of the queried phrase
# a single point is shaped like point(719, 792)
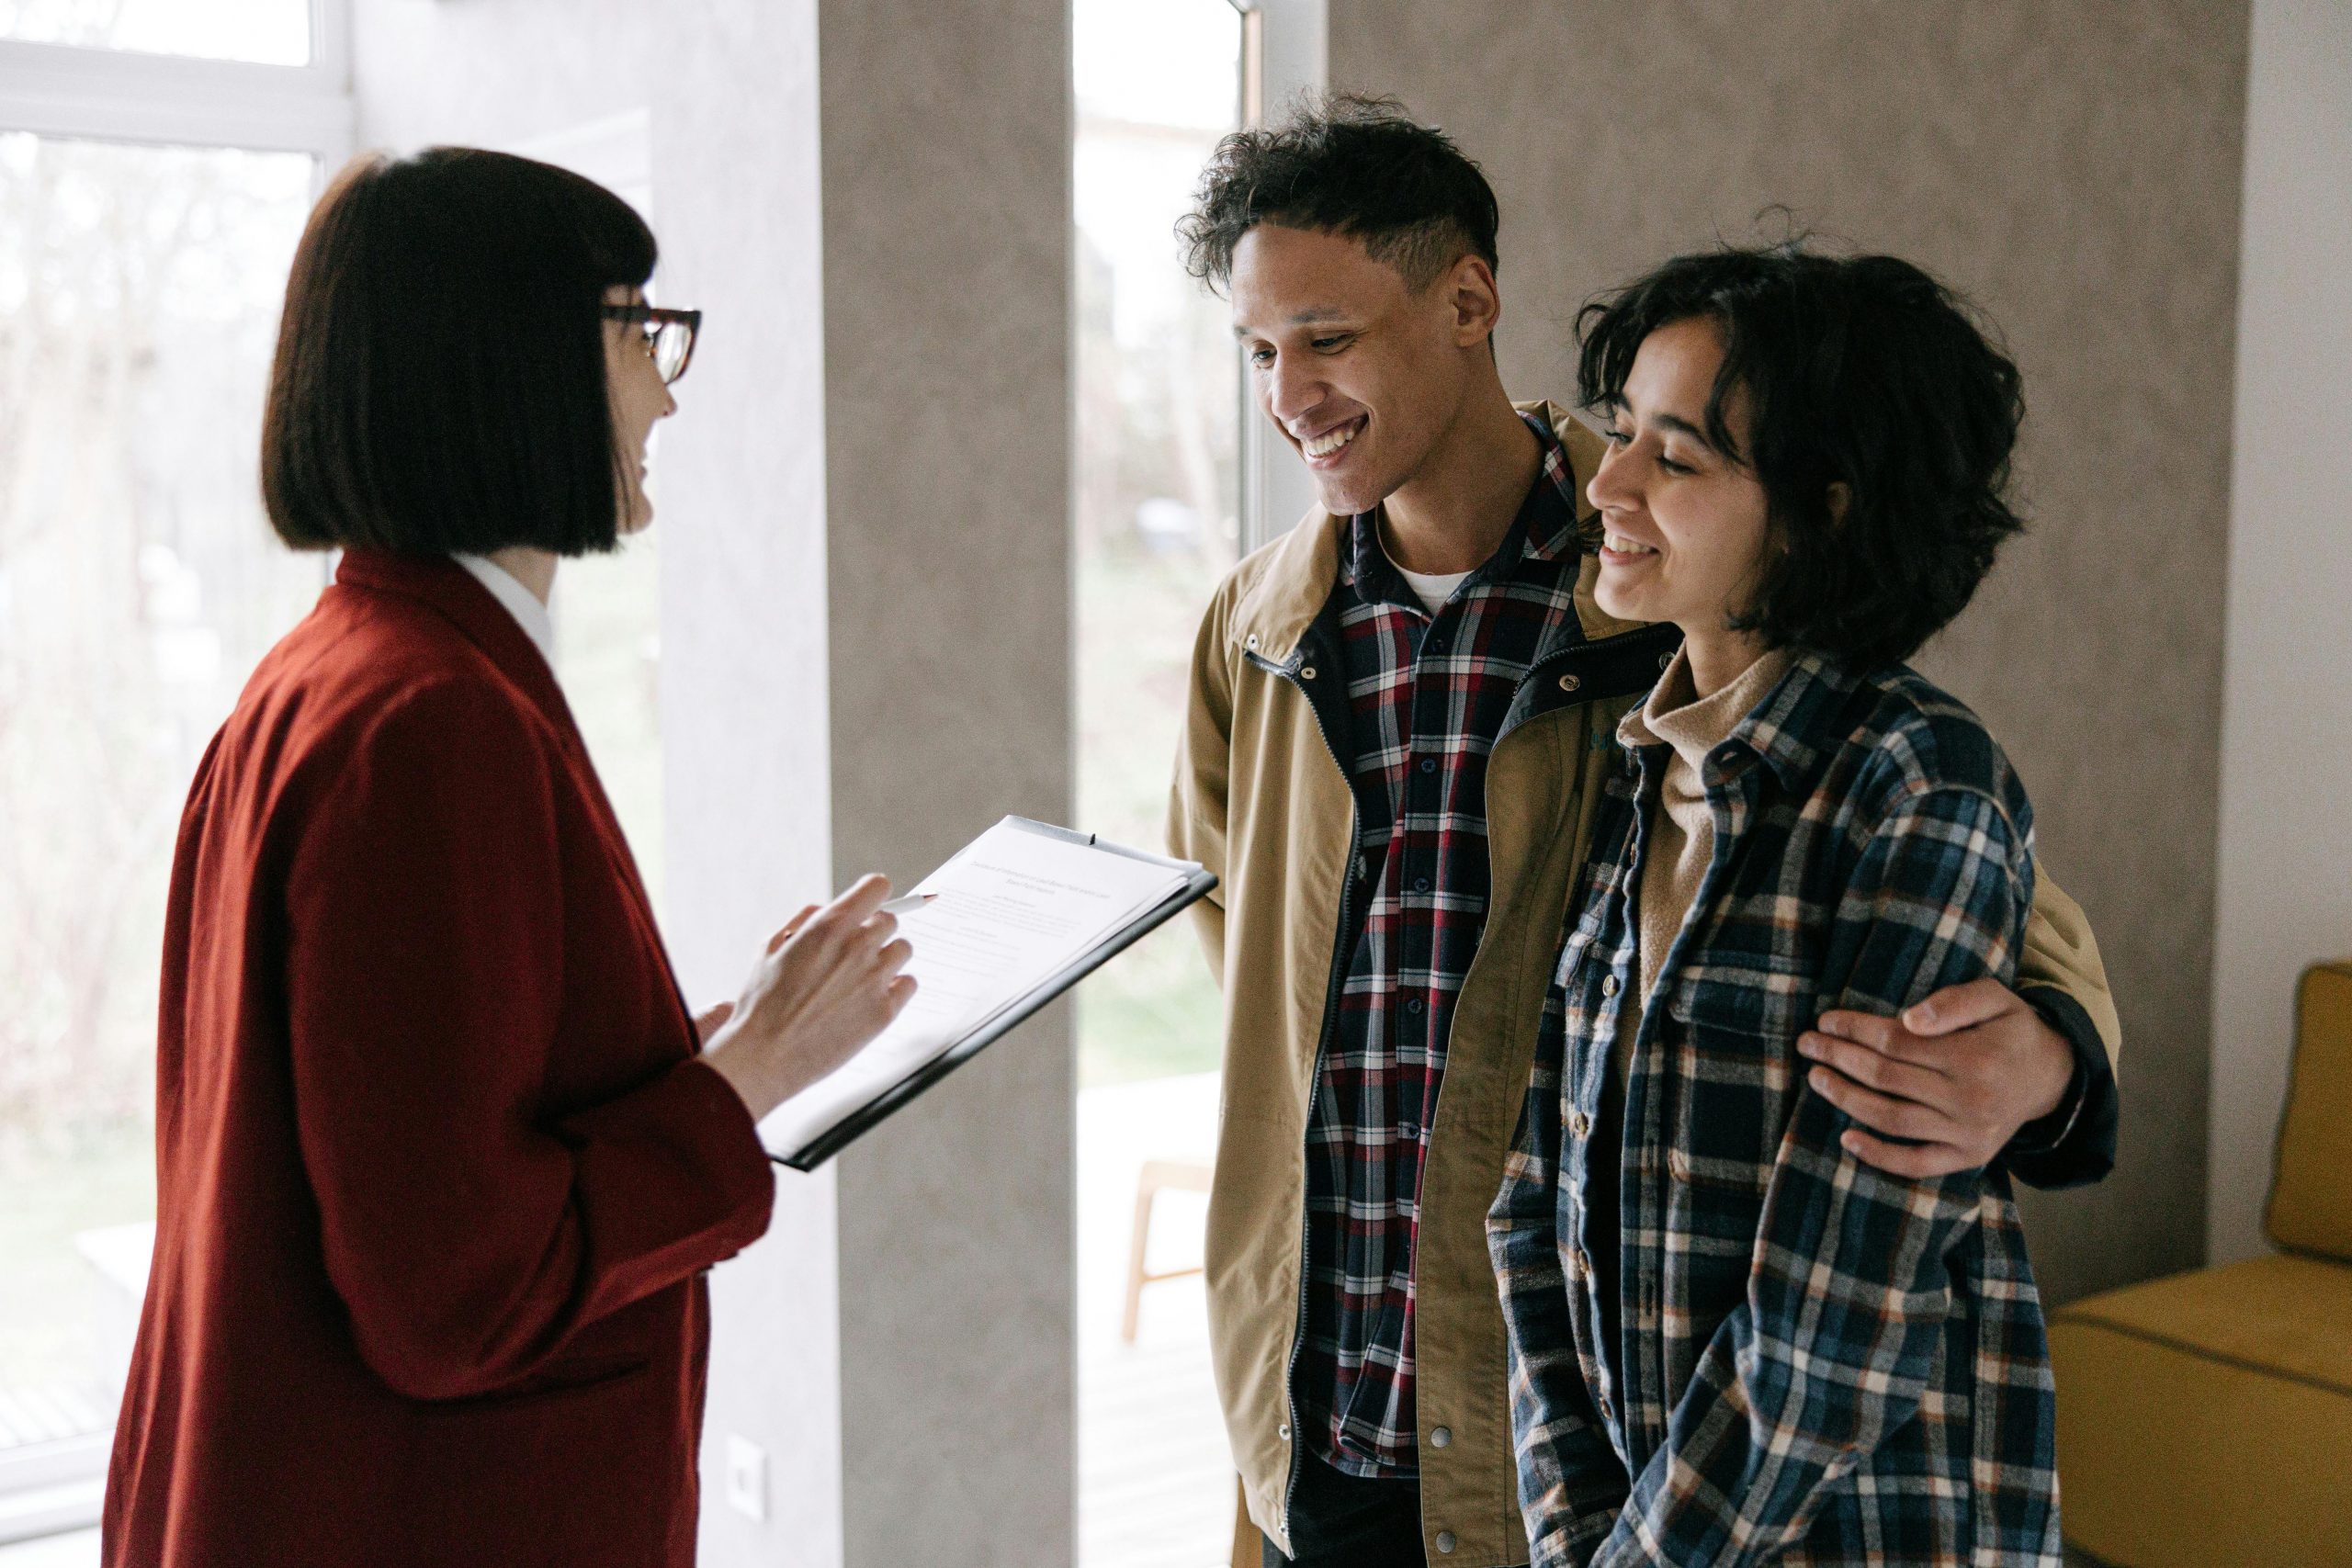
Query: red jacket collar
point(451, 589)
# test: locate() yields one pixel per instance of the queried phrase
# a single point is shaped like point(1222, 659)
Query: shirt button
point(1445, 1542)
point(1307, 673)
point(1413, 1005)
point(1665, 662)
point(1428, 764)
point(1679, 1163)
point(1282, 1432)
point(1609, 984)
point(1570, 683)
point(1440, 1437)
point(1580, 1124)
point(1420, 884)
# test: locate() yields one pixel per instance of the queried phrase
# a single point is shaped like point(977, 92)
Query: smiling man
point(1401, 714)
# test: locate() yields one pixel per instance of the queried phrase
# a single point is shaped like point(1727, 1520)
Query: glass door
point(1159, 521)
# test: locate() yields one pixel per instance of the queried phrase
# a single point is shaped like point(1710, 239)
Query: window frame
point(1284, 51)
point(74, 91)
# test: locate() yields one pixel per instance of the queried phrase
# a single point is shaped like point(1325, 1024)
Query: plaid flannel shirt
point(1427, 695)
point(1800, 1359)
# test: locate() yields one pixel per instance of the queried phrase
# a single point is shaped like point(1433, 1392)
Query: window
point(268, 32)
point(149, 209)
point(1159, 521)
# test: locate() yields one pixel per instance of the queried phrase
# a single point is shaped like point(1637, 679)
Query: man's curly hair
point(1344, 165)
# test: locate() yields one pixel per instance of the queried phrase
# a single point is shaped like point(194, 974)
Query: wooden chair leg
point(1185, 1175)
point(1146, 1190)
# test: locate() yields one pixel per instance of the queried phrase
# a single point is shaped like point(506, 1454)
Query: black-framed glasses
point(669, 334)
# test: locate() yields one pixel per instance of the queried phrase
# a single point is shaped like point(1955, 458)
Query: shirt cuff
point(2075, 1145)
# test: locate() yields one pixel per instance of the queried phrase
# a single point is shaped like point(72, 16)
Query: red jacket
point(437, 1169)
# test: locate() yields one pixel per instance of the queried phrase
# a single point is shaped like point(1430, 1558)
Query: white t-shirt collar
point(1432, 588)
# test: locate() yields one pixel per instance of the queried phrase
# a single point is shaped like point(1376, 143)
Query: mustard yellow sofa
point(2207, 1418)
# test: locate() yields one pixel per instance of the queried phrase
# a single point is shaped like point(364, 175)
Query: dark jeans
point(1338, 1521)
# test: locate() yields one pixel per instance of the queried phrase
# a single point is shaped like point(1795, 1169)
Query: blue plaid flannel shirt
point(1799, 1358)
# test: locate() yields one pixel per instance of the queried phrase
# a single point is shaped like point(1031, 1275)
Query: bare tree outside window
point(140, 289)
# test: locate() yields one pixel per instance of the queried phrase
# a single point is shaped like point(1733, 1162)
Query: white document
point(1015, 908)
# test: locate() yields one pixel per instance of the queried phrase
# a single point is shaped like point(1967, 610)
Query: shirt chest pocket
point(1730, 1069)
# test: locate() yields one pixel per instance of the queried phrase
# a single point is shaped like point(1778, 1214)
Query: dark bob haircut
point(439, 384)
point(1344, 166)
point(1858, 370)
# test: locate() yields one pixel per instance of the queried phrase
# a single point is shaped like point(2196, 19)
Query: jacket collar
point(452, 591)
point(1303, 565)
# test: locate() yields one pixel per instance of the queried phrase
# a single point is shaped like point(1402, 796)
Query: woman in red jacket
point(441, 1157)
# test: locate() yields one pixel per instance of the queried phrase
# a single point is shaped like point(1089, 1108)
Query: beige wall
point(2073, 166)
point(2286, 862)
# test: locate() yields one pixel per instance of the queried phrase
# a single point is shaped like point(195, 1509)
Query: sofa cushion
point(2311, 1200)
point(2289, 1316)
point(2207, 1418)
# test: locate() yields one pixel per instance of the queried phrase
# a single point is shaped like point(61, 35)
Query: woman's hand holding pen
point(828, 983)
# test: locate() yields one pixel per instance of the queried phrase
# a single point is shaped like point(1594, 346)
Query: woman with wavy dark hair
point(1733, 1341)
point(441, 1157)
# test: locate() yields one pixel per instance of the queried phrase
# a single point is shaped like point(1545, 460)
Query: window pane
point(1157, 482)
point(269, 32)
point(139, 583)
point(1157, 474)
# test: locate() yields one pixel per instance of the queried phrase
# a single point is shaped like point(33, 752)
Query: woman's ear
point(1841, 496)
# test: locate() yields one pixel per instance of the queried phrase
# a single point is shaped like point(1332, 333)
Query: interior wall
point(732, 127)
point(2286, 835)
point(2075, 168)
point(948, 365)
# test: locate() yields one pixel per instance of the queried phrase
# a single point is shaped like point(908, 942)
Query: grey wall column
point(946, 151)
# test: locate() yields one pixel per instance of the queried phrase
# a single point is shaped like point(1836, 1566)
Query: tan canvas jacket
point(1261, 800)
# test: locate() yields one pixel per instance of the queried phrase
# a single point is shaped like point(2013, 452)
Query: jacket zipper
point(1314, 1079)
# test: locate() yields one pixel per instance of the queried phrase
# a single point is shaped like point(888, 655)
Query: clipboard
point(1198, 884)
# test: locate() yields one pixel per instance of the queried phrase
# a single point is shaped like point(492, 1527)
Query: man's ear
point(1477, 302)
point(1841, 497)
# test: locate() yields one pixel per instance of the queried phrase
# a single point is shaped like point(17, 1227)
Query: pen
point(906, 905)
